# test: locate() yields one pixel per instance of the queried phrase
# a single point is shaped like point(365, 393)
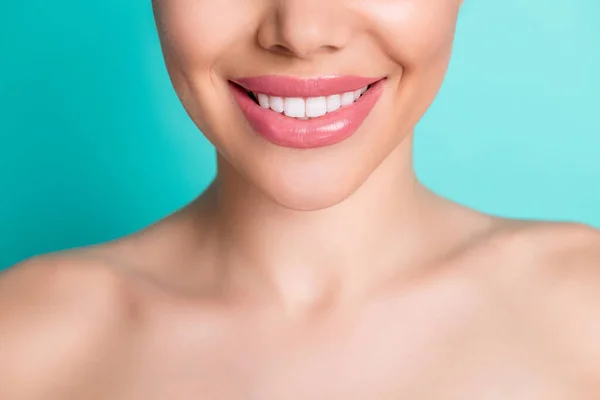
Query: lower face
point(305, 99)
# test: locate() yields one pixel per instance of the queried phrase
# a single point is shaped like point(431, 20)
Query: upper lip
point(286, 86)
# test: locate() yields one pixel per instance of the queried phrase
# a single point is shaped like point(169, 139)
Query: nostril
point(281, 50)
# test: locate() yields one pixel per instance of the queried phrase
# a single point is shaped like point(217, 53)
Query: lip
point(284, 86)
point(323, 131)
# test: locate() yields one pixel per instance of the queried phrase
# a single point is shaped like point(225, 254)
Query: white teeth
point(312, 107)
point(334, 102)
point(263, 100)
point(316, 107)
point(276, 104)
point(347, 98)
point(294, 107)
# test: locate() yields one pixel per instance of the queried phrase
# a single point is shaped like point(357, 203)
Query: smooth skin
point(328, 273)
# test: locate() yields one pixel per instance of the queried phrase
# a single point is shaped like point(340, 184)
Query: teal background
point(94, 143)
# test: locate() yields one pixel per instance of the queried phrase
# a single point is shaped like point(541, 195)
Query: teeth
point(347, 99)
point(334, 103)
point(294, 107)
point(312, 107)
point(263, 100)
point(316, 107)
point(276, 104)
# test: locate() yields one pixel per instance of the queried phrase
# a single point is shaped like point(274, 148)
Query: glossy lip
point(323, 131)
point(283, 86)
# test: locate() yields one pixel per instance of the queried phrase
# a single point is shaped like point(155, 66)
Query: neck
point(308, 257)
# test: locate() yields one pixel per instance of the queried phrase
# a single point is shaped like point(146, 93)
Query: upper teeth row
point(312, 107)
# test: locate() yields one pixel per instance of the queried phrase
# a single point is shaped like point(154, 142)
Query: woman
point(316, 266)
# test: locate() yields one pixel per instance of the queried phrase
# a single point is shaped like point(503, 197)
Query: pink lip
point(283, 86)
point(312, 133)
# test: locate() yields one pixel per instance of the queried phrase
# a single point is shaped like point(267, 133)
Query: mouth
point(302, 113)
point(304, 108)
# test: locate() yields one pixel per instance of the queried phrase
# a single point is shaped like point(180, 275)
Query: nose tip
point(302, 28)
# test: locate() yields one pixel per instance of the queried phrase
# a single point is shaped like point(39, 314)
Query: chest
point(421, 355)
point(366, 373)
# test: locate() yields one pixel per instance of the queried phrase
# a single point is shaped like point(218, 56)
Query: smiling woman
point(316, 264)
point(291, 52)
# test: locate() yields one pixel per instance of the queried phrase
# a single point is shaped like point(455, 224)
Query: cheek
point(414, 32)
point(195, 36)
point(196, 32)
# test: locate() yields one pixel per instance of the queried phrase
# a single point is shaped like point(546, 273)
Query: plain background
point(95, 145)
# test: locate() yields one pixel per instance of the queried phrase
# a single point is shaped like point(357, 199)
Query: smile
point(311, 107)
point(306, 113)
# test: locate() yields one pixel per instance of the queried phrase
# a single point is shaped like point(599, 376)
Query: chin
point(309, 186)
point(309, 196)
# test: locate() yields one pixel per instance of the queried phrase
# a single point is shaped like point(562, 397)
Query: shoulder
point(57, 314)
point(549, 274)
point(567, 272)
point(63, 285)
point(540, 247)
point(557, 256)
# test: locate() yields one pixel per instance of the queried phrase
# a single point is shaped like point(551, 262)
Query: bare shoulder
point(543, 254)
point(539, 247)
point(58, 315)
point(549, 274)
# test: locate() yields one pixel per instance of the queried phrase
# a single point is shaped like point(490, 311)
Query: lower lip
point(323, 131)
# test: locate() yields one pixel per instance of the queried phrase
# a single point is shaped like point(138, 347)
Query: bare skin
point(309, 274)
